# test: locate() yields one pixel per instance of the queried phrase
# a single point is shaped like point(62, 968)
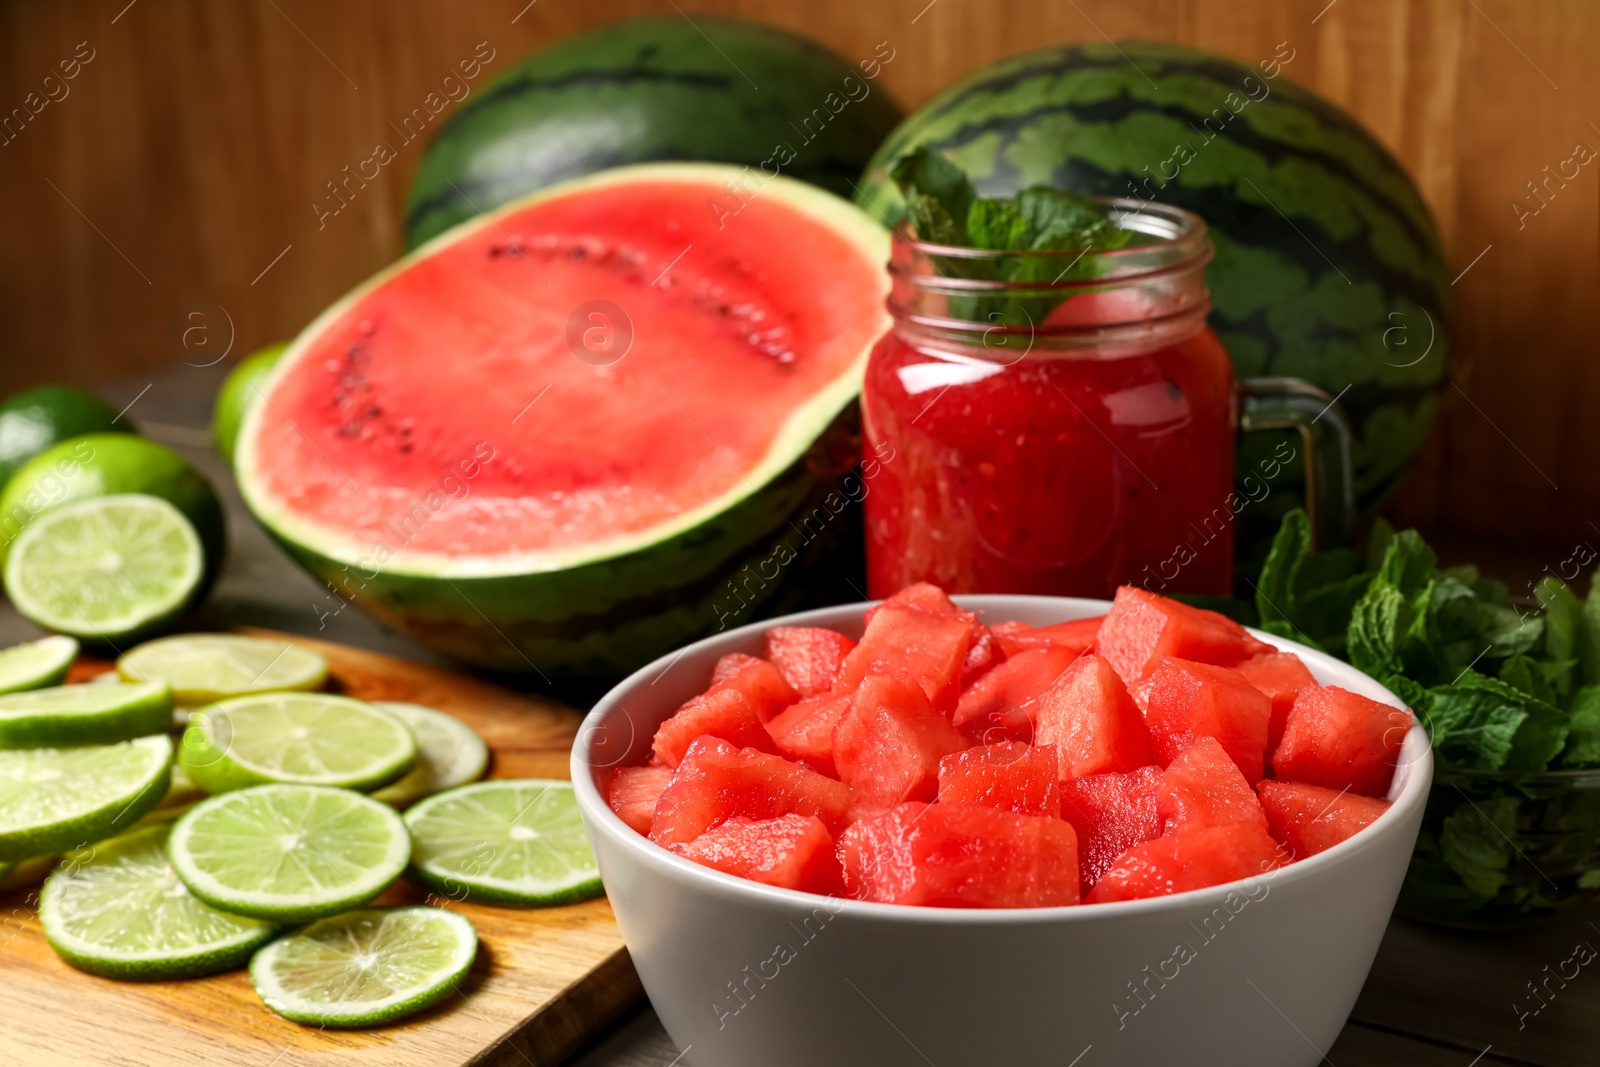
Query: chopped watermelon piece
point(761, 683)
point(1193, 859)
point(808, 657)
point(1281, 676)
point(923, 595)
point(1341, 740)
point(920, 646)
point(888, 743)
point(1112, 813)
point(1075, 635)
point(1308, 819)
point(1203, 787)
point(1010, 775)
point(961, 856)
point(1188, 701)
point(730, 665)
point(633, 792)
point(996, 706)
point(724, 713)
point(804, 732)
point(717, 782)
point(791, 851)
point(1142, 627)
point(1092, 721)
point(982, 654)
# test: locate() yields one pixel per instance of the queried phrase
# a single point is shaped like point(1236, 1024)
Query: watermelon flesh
point(1142, 627)
point(717, 782)
point(757, 680)
point(808, 657)
point(1307, 819)
point(1187, 701)
point(1341, 740)
point(1281, 676)
point(633, 793)
point(1203, 787)
point(1010, 775)
point(925, 648)
point(1092, 721)
point(999, 705)
point(1076, 635)
point(791, 851)
point(723, 713)
point(1191, 860)
point(1112, 813)
point(803, 732)
point(888, 743)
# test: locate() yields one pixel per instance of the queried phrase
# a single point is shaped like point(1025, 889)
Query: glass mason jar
point(1064, 422)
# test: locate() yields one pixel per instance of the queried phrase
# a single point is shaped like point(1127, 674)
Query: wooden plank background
point(163, 205)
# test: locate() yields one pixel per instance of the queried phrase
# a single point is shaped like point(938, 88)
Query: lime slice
point(105, 568)
point(510, 841)
point(106, 678)
point(36, 664)
point(288, 853)
point(365, 967)
point(53, 799)
point(83, 714)
point(203, 668)
point(448, 754)
point(118, 910)
point(25, 873)
point(308, 738)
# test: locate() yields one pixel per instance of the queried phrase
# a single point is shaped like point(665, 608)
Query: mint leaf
point(1473, 723)
point(1476, 841)
point(1527, 675)
point(938, 195)
point(1589, 651)
point(1583, 740)
point(1378, 542)
point(1408, 563)
point(1290, 547)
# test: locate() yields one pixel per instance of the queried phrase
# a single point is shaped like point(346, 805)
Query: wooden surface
point(185, 158)
point(545, 980)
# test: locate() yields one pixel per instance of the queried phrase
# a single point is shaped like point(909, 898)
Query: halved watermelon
point(575, 433)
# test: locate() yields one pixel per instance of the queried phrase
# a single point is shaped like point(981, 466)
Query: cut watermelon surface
point(808, 657)
point(1190, 860)
point(1341, 740)
point(722, 713)
point(1281, 676)
point(999, 705)
point(1076, 636)
point(633, 794)
point(717, 782)
point(1092, 721)
point(1203, 787)
point(1010, 776)
point(804, 731)
point(1143, 626)
point(1308, 819)
point(791, 851)
point(1187, 701)
point(1112, 813)
point(888, 743)
point(543, 440)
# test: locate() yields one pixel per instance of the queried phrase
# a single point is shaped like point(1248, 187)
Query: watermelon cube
point(996, 707)
point(923, 595)
point(758, 680)
point(724, 713)
point(632, 793)
point(1112, 813)
point(1308, 819)
point(1142, 627)
point(717, 782)
point(926, 648)
point(1076, 636)
point(1092, 721)
point(1010, 775)
point(1203, 787)
point(791, 852)
point(888, 743)
point(1281, 676)
point(961, 856)
point(1193, 859)
point(808, 657)
point(1341, 740)
point(982, 654)
point(803, 732)
point(1188, 701)
point(730, 665)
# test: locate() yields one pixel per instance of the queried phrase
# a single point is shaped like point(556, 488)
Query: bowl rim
point(1416, 752)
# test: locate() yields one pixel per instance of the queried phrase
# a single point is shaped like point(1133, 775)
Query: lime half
point(366, 967)
point(288, 853)
point(84, 714)
point(53, 799)
point(118, 910)
point(448, 754)
point(510, 841)
point(308, 738)
point(202, 668)
point(107, 568)
point(36, 664)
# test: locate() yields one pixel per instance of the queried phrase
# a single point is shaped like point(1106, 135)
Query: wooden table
point(1434, 999)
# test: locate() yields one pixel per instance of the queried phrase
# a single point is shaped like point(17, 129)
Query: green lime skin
point(32, 421)
point(107, 815)
point(75, 715)
point(238, 392)
point(101, 464)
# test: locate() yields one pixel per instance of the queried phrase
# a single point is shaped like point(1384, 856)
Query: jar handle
point(1296, 404)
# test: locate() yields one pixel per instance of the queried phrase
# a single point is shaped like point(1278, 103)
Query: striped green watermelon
point(1328, 265)
point(596, 424)
point(656, 88)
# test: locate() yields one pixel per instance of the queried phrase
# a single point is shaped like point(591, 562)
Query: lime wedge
point(203, 668)
point(84, 714)
point(53, 799)
point(366, 967)
point(36, 664)
point(118, 910)
point(309, 738)
point(25, 873)
point(510, 841)
point(288, 853)
point(448, 754)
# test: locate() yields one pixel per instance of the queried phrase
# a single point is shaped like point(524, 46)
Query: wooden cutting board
point(545, 981)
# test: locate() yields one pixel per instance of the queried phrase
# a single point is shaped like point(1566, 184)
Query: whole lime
point(33, 420)
point(237, 393)
point(99, 464)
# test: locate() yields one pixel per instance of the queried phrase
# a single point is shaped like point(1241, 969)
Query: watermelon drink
point(1065, 433)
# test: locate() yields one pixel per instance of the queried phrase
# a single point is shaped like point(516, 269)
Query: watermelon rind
point(779, 537)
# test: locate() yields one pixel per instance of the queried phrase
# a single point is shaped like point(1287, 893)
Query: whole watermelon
point(658, 88)
point(1328, 265)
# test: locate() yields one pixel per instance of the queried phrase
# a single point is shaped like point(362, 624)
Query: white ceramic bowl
point(1260, 972)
